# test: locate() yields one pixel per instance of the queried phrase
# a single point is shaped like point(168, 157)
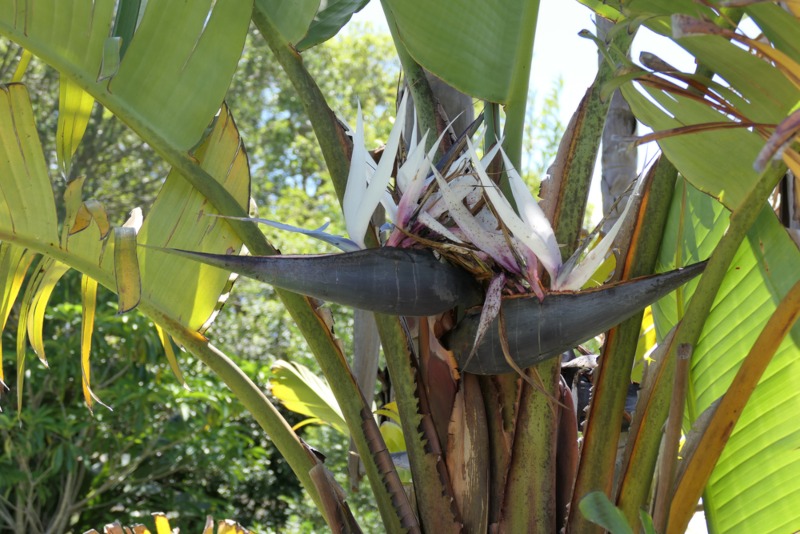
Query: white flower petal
point(361, 200)
point(356, 183)
point(575, 278)
point(530, 211)
point(510, 219)
point(492, 244)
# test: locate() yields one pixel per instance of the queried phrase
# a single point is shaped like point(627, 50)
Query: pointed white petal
point(529, 209)
point(575, 278)
point(506, 214)
point(356, 183)
point(491, 307)
point(361, 200)
point(415, 162)
point(492, 244)
point(438, 227)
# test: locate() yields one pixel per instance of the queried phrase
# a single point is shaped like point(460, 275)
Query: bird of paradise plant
point(487, 452)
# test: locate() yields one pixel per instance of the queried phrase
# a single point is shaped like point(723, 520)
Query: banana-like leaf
point(303, 392)
point(480, 48)
point(755, 486)
point(538, 330)
point(174, 72)
point(28, 219)
point(764, 94)
point(291, 17)
point(180, 214)
point(49, 272)
point(74, 108)
point(386, 280)
point(14, 263)
point(28, 207)
point(329, 20)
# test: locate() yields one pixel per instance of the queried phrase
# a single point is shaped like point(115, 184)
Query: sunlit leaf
point(126, 268)
point(756, 483)
point(174, 72)
point(49, 272)
point(89, 306)
point(162, 524)
point(74, 108)
point(22, 66)
point(27, 206)
point(180, 217)
point(393, 436)
point(170, 353)
point(14, 263)
point(329, 20)
point(303, 392)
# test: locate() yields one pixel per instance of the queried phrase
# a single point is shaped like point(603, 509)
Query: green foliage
point(162, 447)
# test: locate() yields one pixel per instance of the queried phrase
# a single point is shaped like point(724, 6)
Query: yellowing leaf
point(14, 263)
point(49, 272)
point(162, 524)
point(303, 392)
point(126, 268)
point(91, 210)
point(89, 305)
point(74, 109)
point(170, 352)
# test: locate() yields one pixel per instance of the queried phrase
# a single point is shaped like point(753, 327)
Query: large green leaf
point(175, 71)
point(182, 290)
point(755, 486)
point(27, 207)
point(329, 20)
point(480, 48)
point(182, 215)
point(291, 17)
point(762, 93)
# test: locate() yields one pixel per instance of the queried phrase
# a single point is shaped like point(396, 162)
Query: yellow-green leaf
point(181, 217)
point(74, 109)
point(170, 352)
point(303, 392)
point(393, 436)
point(27, 205)
point(14, 263)
point(49, 272)
point(22, 66)
point(89, 306)
point(126, 268)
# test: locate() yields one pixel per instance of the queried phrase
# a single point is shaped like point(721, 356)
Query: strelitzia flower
point(457, 242)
